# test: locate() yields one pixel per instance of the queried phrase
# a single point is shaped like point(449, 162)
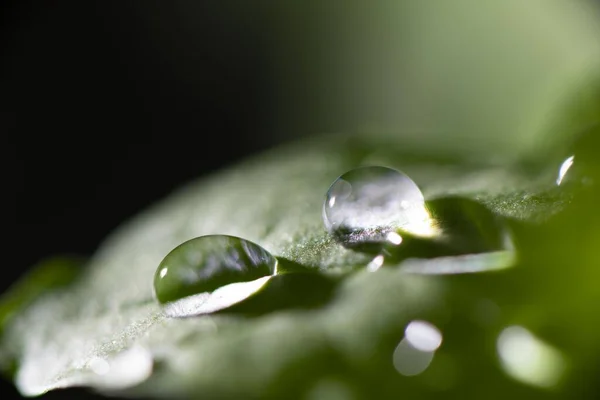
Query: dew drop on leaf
point(367, 203)
point(564, 169)
point(579, 168)
point(209, 265)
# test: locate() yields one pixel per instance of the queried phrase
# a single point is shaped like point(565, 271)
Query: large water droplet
point(213, 263)
point(367, 203)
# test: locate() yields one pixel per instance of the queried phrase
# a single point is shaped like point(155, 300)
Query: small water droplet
point(414, 353)
point(209, 264)
point(528, 359)
point(580, 166)
point(564, 168)
point(376, 263)
point(394, 238)
point(209, 302)
point(367, 204)
point(423, 336)
point(410, 361)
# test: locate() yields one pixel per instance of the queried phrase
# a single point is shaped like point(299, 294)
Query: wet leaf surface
point(336, 321)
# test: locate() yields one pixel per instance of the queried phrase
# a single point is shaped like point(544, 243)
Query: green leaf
point(45, 276)
point(491, 91)
point(107, 331)
point(42, 278)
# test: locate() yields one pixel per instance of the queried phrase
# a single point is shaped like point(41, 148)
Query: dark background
point(107, 107)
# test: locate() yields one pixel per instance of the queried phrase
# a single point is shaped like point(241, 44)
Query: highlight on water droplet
point(209, 273)
point(582, 167)
point(367, 204)
point(528, 359)
point(415, 352)
point(564, 168)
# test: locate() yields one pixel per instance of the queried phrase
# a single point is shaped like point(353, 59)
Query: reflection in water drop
point(564, 168)
point(415, 351)
point(207, 263)
point(223, 297)
point(163, 272)
point(584, 173)
point(528, 359)
point(367, 203)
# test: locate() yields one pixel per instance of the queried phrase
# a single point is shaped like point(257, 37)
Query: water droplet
point(366, 204)
point(209, 264)
point(564, 168)
point(423, 336)
point(209, 302)
point(580, 166)
point(376, 263)
point(286, 291)
point(528, 359)
point(414, 353)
